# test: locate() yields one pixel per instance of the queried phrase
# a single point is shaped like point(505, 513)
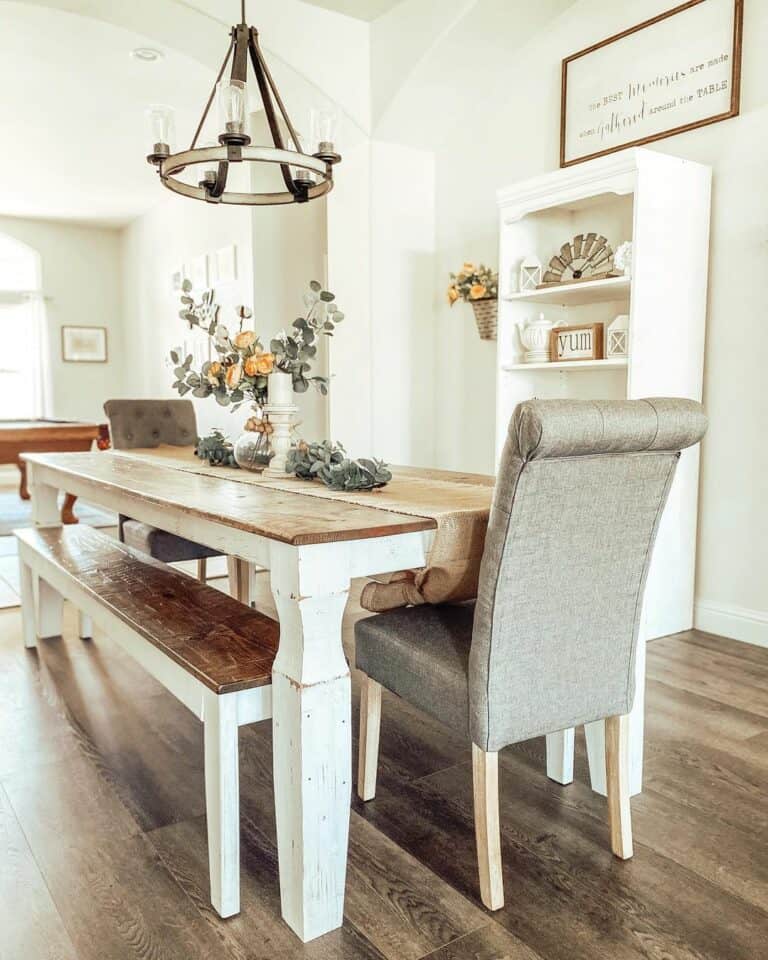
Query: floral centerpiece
point(479, 286)
point(244, 371)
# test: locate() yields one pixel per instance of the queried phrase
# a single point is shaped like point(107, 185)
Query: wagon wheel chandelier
point(305, 176)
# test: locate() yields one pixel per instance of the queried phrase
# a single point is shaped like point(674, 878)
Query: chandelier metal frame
point(235, 147)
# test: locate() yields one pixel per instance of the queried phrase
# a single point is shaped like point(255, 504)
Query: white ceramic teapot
point(534, 336)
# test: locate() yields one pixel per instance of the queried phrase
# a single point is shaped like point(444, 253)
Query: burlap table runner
point(458, 502)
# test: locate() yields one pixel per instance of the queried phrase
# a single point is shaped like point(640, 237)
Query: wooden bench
point(210, 651)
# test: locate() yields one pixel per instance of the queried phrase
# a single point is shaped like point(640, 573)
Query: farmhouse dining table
point(313, 547)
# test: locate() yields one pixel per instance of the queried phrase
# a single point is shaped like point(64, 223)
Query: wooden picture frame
point(612, 104)
point(84, 344)
point(587, 346)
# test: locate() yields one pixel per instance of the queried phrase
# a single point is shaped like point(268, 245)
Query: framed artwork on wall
point(84, 344)
point(675, 72)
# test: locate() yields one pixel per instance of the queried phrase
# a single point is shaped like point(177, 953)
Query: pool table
point(47, 436)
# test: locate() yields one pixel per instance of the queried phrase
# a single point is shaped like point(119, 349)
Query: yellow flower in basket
point(477, 291)
point(245, 339)
point(468, 268)
point(453, 295)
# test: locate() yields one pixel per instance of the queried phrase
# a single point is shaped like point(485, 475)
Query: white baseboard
point(739, 623)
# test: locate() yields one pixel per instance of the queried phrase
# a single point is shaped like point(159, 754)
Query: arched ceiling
point(72, 115)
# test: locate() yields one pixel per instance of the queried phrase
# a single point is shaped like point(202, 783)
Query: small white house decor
point(617, 337)
point(530, 274)
point(534, 336)
point(580, 342)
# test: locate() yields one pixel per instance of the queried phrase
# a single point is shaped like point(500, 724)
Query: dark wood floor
point(102, 827)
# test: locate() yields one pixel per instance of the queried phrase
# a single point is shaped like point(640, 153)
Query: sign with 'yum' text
point(582, 342)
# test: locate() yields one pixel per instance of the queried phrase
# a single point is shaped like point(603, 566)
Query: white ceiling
point(361, 9)
point(72, 115)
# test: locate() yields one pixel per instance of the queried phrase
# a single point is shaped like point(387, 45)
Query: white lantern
point(530, 274)
point(617, 337)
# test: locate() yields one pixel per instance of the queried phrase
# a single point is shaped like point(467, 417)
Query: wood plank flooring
point(102, 826)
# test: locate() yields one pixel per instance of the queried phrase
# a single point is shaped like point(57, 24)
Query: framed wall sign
point(580, 342)
point(673, 73)
point(84, 344)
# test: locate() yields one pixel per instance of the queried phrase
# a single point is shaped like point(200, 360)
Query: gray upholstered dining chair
point(550, 642)
point(150, 423)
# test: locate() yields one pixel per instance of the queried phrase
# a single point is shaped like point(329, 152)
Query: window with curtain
point(23, 347)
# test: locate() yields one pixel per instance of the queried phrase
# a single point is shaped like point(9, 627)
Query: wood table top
point(288, 517)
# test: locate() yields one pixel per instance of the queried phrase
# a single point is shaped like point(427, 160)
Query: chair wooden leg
point(368, 749)
point(239, 572)
point(485, 779)
point(617, 781)
point(202, 570)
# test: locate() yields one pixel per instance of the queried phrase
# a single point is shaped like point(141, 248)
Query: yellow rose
point(245, 339)
point(260, 364)
point(453, 295)
point(477, 291)
point(213, 373)
point(234, 375)
point(265, 363)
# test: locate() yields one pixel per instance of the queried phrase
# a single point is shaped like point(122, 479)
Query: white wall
point(154, 246)
point(80, 267)
point(491, 114)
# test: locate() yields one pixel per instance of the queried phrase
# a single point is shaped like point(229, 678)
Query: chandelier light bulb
point(161, 130)
point(233, 107)
point(324, 122)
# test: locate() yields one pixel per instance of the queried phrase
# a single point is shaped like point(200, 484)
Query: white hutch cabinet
point(662, 204)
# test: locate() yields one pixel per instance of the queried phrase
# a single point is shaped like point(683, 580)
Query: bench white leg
point(311, 731)
point(50, 608)
point(27, 582)
point(560, 756)
point(84, 626)
point(222, 801)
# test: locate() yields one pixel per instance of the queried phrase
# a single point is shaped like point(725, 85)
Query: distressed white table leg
point(50, 609)
point(311, 718)
point(595, 736)
point(45, 501)
point(84, 626)
point(560, 756)
point(222, 801)
point(45, 513)
point(28, 617)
